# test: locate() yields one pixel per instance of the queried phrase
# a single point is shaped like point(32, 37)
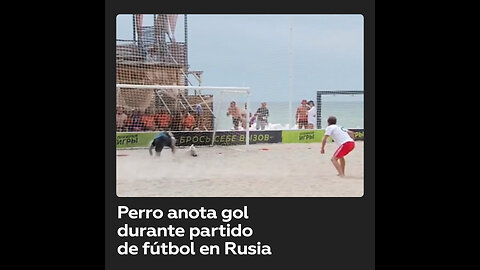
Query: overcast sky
point(255, 51)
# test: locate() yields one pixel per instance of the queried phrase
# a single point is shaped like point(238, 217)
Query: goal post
point(150, 108)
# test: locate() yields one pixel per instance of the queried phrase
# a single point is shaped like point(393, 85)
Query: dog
point(192, 150)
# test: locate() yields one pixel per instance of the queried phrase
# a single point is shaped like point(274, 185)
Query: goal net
point(346, 105)
point(155, 88)
point(147, 108)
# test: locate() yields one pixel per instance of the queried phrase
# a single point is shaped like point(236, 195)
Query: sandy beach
point(258, 170)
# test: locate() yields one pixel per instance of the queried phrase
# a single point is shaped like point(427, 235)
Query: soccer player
point(343, 138)
point(164, 138)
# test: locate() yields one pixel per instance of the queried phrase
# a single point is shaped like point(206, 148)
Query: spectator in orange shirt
point(188, 121)
point(163, 120)
point(148, 120)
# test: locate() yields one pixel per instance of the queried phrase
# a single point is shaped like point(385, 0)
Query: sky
point(280, 57)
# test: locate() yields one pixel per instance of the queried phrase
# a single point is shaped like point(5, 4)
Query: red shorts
point(344, 149)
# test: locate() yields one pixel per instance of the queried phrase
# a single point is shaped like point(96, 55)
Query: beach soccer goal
point(149, 108)
point(345, 104)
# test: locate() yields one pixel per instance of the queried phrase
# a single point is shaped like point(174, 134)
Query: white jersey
point(312, 116)
point(339, 134)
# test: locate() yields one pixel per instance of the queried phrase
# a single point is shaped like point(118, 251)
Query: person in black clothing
point(164, 138)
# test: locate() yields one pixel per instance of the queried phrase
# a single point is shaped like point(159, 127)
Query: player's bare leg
point(342, 164)
point(337, 166)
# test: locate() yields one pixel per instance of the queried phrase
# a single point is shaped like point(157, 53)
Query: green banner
point(302, 136)
point(142, 139)
point(127, 140)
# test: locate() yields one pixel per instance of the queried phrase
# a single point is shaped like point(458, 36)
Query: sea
point(349, 113)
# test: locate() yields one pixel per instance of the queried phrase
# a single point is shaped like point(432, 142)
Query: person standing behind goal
point(262, 115)
point(343, 138)
point(236, 113)
point(301, 115)
point(312, 115)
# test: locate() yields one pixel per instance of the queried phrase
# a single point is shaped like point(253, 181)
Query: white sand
point(284, 170)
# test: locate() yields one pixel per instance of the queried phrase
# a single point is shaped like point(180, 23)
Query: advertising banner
point(187, 138)
point(129, 140)
point(302, 136)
